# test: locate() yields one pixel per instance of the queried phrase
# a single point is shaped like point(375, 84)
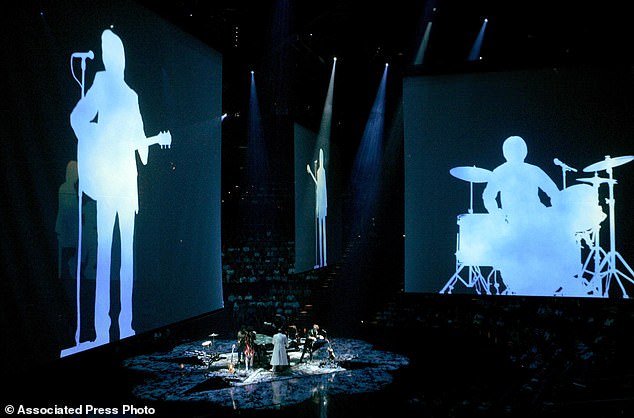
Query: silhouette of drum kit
point(475, 249)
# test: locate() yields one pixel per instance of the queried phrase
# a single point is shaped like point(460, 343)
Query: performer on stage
point(241, 346)
point(314, 340)
point(279, 357)
point(249, 349)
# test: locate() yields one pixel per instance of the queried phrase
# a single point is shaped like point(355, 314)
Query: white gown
point(279, 357)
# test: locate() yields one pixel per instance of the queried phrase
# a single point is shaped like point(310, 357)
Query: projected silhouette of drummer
point(109, 127)
point(534, 252)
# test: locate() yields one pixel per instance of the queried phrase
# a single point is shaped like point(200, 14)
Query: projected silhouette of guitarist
point(109, 127)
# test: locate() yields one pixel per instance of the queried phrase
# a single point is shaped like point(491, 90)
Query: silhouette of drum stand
point(607, 269)
point(591, 237)
point(474, 249)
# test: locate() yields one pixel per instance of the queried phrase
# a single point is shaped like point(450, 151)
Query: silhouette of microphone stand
point(79, 346)
point(475, 278)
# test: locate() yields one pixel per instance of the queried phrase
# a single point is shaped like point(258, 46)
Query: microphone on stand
point(83, 55)
point(563, 165)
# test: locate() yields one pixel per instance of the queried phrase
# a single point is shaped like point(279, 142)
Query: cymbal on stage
point(213, 335)
point(472, 174)
point(608, 163)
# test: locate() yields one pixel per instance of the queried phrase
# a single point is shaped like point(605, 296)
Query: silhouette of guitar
point(90, 157)
point(163, 138)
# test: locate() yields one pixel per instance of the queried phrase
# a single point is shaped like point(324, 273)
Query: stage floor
point(200, 374)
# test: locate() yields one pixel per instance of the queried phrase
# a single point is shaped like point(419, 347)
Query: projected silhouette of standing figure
point(535, 255)
point(66, 223)
point(67, 228)
point(108, 124)
point(321, 208)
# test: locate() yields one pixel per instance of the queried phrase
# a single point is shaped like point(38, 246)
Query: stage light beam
point(420, 55)
point(256, 148)
point(474, 54)
point(429, 12)
point(366, 171)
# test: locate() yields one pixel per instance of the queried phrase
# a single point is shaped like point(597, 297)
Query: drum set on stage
point(491, 259)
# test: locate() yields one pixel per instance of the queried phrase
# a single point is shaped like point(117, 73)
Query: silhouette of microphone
point(563, 166)
point(83, 55)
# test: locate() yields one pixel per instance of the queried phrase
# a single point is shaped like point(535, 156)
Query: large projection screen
point(105, 100)
point(520, 182)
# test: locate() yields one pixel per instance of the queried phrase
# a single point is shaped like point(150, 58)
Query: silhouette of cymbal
point(596, 180)
point(608, 163)
point(472, 174)
point(213, 335)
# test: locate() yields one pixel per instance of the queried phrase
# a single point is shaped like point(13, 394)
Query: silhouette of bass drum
point(480, 238)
